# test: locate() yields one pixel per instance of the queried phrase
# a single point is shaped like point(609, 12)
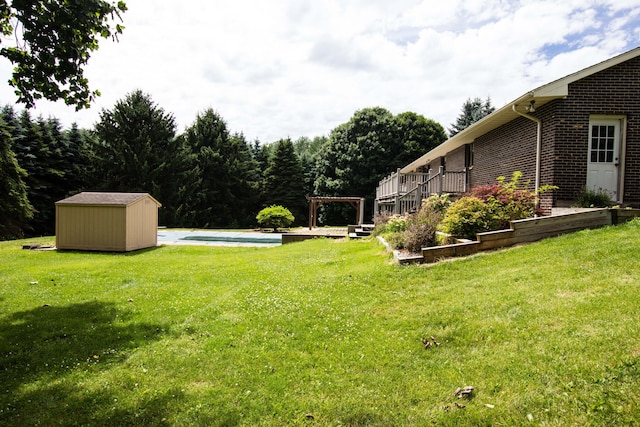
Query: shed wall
point(96, 228)
point(142, 225)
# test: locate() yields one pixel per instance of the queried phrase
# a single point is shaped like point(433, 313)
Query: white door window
point(604, 157)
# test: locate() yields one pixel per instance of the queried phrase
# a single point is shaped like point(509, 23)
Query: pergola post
point(314, 202)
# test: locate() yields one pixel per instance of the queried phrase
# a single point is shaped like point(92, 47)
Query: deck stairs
point(360, 231)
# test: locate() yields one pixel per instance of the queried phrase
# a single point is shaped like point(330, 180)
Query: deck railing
point(398, 184)
point(401, 193)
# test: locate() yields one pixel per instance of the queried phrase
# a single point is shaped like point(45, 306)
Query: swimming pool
point(218, 238)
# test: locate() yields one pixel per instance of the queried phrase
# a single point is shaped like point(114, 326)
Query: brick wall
point(614, 92)
point(456, 159)
point(501, 152)
point(565, 137)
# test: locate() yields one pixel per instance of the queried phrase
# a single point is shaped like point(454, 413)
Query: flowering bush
point(397, 223)
point(437, 203)
point(490, 207)
point(413, 231)
point(386, 223)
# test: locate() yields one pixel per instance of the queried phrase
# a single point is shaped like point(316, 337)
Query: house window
point(603, 139)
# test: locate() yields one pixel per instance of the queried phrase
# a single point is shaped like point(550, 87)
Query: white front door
point(604, 157)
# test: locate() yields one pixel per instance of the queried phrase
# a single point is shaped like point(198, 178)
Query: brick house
point(579, 132)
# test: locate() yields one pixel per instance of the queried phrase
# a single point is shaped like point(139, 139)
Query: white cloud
point(299, 68)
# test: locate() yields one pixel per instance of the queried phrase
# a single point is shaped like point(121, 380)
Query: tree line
point(206, 176)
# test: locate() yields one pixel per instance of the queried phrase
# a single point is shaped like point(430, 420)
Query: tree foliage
point(368, 147)
point(207, 176)
point(416, 136)
point(137, 151)
point(472, 111)
point(15, 209)
point(42, 158)
point(284, 180)
point(225, 191)
point(50, 159)
point(308, 151)
point(54, 40)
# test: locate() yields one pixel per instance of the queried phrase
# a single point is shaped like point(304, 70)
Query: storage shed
point(96, 221)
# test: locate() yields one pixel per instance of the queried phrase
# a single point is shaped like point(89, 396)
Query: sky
point(293, 68)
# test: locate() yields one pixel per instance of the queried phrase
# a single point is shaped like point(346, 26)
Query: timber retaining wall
point(531, 230)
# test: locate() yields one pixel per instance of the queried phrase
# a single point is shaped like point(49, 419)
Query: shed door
point(604, 157)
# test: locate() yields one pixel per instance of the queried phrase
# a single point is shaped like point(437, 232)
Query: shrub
point(490, 207)
point(436, 203)
point(507, 201)
point(419, 235)
point(392, 228)
point(421, 226)
point(397, 223)
point(594, 199)
point(275, 217)
point(468, 216)
point(380, 222)
point(386, 222)
point(395, 240)
point(413, 231)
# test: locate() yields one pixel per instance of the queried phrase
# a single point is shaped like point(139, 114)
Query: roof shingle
point(103, 198)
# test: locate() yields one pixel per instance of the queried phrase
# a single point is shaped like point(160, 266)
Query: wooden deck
point(301, 234)
point(400, 193)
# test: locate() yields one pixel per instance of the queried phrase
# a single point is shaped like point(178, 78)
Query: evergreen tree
point(15, 209)
point(137, 151)
point(80, 159)
point(261, 154)
point(472, 111)
point(8, 114)
point(36, 154)
point(284, 181)
point(226, 188)
point(246, 181)
point(59, 160)
point(308, 151)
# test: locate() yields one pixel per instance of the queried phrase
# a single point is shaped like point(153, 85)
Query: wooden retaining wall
point(531, 230)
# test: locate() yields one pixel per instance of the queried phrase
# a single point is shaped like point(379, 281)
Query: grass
point(321, 333)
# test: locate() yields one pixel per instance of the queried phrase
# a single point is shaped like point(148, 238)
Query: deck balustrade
point(404, 192)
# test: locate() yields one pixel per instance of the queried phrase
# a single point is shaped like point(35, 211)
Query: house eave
point(488, 123)
point(557, 89)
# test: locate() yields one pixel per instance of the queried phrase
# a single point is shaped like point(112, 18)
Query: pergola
point(315, 202)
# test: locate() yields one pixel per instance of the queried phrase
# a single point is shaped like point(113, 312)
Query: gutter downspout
point(538, 148)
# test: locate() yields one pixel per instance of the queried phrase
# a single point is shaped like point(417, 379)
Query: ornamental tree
point(275, 217)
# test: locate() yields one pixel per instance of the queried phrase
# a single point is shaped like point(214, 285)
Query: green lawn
point(321, 333)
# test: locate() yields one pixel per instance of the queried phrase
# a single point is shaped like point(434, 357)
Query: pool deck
point(244, 238)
